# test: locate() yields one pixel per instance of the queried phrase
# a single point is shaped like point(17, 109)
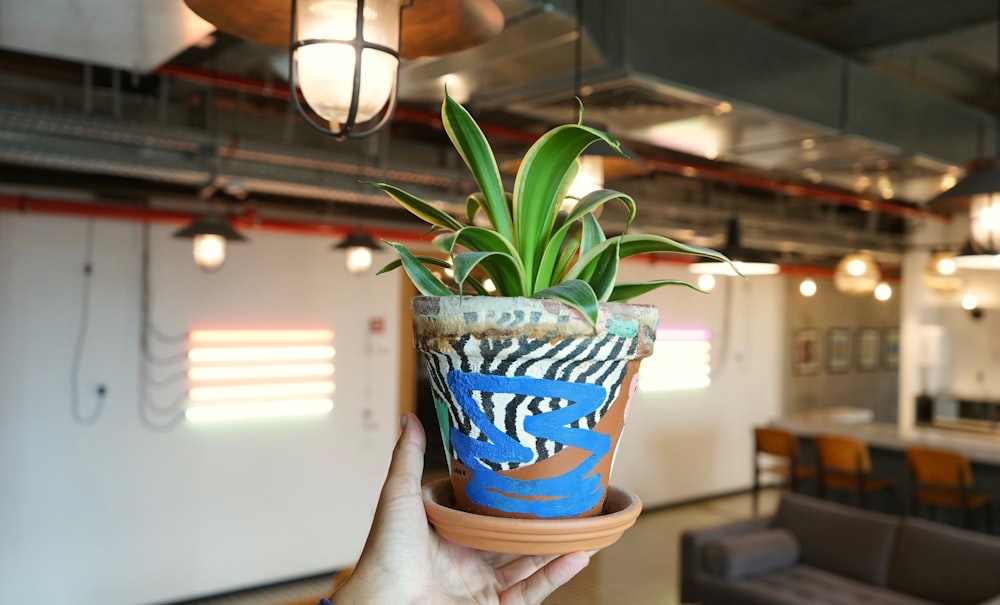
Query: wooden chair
point(844, 464)
point(943, 479)
point(783, 446)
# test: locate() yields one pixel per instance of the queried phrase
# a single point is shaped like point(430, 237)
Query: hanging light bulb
point(210, 234)
point(589, 178)
point(808, 287)
point(857, 274)
point(970, 302)
point(939, 273)
point(749, 262)
point(359, 247)
point(706, 281)
point(883, 291)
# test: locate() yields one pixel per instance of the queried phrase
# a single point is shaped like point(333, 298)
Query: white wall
point(680, 445)
point(116, 513)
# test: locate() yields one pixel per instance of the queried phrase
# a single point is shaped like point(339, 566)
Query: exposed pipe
point(683, 168)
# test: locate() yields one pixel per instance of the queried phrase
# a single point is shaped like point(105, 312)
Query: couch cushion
point(844, 540)
point(749, 555)
point(798, 585)
point(945, 564)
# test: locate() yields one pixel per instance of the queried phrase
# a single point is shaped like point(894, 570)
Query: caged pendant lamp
point(344, 54)
point(210, 233)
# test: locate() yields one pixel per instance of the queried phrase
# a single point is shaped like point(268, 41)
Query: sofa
point(813, 551)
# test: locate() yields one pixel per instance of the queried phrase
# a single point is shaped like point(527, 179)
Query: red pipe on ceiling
point(705, 171)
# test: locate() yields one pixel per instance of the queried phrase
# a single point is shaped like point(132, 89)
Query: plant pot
point(531, 401)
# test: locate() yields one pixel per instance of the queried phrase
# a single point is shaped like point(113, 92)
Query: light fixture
point(969, 258)
point(359, 246)
point(344, 54)
point(706, 281)
point(857, 274)
point(808, 287)
point(883, 291)
point(210, 234)
point(979, 191)
point(970, 302)
point(939, 273)
point(749, 262)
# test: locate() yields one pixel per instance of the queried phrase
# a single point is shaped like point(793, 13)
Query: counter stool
point(844, 464)
point(782, 448)
point(943, 479)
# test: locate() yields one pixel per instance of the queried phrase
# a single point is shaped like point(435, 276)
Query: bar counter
point(887, 445)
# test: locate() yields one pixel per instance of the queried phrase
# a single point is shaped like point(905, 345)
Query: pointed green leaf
point(605, 272)
point(575, 293)
point(626, 291)
point(467, 261)
point(475, 150)
point(435, 216)
point(641, 243)
point(593, 234)
point(570, 248)
point(426, 260)
point(422, 278)
point(506, 271)
point(540, 186)
point(595, 199)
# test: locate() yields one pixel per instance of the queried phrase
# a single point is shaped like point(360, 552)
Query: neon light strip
point(259, 391)
point(259, 336)
point(693, 334)
point(252, 411)
point(312, 370)
point(676, 383)
point(231, 354)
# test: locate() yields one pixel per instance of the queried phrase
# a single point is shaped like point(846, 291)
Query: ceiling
point(824, 124)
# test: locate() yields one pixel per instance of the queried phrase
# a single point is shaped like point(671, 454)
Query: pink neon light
point(681, 334)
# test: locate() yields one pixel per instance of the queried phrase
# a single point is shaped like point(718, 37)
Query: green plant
point(531, 248)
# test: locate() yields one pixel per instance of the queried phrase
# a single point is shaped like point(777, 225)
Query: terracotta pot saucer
point(530, 536)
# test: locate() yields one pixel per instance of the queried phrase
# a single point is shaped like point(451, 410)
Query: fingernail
point(402, 421)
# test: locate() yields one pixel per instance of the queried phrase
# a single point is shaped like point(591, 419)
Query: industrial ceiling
point(825, 125)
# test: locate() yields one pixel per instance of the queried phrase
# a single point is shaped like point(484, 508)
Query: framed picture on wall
point(807, 351)
point(869, 352)
point(890, 349)
point(838, 350)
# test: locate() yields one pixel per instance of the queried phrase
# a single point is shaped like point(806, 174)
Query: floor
point(640, 569)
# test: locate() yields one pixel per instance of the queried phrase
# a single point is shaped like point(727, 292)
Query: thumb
point(402, 483)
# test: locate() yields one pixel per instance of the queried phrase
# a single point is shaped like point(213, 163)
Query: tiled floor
point(640, 569)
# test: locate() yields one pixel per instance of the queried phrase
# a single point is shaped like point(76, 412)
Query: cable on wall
point(83, 327)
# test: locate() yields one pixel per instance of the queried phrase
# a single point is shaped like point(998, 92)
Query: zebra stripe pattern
point(596, 360)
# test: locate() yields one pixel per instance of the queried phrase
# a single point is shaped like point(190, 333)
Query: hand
point(406, 562)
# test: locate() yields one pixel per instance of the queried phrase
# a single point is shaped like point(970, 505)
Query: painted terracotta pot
point(531, 401)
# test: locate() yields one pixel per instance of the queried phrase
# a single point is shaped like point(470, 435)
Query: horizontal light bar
point(677, 358)
point(681, 334)
point(249, 411)
point(259, 336)
point(676, 383)
point(260, 391)
point(676, 369)
point(308, 370)
point(231, 354)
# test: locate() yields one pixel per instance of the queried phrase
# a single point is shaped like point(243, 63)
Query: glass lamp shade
point(939, 273)
point(209, 252)
point(857, 274)
point(984, 222)
point(359, 247)
point(326, 57)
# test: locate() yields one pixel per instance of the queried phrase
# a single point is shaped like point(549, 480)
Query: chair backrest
point(842, 454)
point(776, 442)
point(943, 468)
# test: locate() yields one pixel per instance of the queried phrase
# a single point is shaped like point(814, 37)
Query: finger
point(520, 568)
point(407, 465)
point(534, 589)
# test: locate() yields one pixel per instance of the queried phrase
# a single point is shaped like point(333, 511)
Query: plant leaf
point(575, 293)
point(595, 199)
point(569, 250)
point(641, 243)
point(426, 260)
point(605, 272)
point(626, 291)
point(540, 185)
point(506, 270)
point(467, 261)
point(475, 150)
point(427, 212)
point(422, 278)
point(593, 234)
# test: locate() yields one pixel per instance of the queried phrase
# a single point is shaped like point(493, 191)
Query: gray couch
point(817, 552)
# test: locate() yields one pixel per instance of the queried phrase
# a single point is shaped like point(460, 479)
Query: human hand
point(406, 562)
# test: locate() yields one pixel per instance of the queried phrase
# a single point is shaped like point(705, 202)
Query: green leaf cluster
point(530, 248)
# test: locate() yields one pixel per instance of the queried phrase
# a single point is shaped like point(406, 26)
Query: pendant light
point(979, 191)
point(359, 246)
point(210, 234)
point(971, 258)
point(857, 274)
point(749, 262)
point(344, 54)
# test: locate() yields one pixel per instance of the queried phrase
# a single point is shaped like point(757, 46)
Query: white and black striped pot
point(530, 399)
